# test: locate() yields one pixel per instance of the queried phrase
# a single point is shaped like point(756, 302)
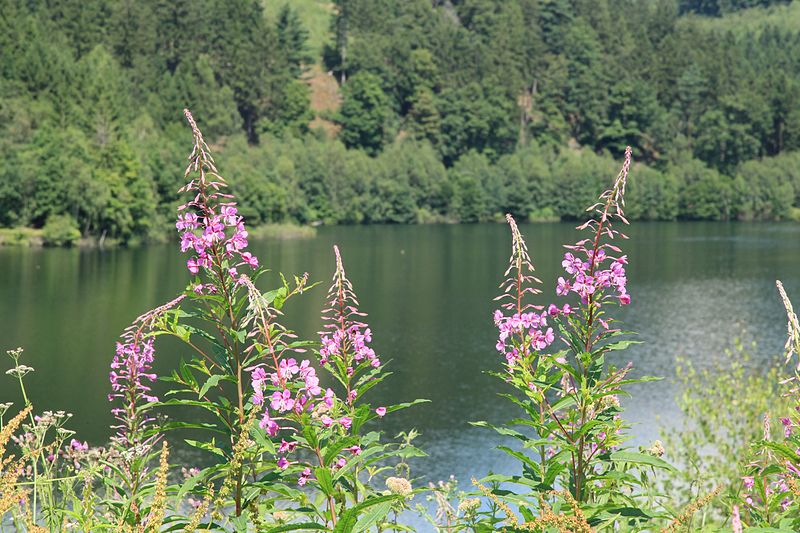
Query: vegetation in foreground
point(293, 443)
point(398, 111)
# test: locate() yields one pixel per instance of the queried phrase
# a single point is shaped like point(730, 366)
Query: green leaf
point(323, 475)
point(375, 514)
point(207, 446)
point(213, 381)
point(297, 527)
point(619, 345)
point(641, 459)
point(349, 519)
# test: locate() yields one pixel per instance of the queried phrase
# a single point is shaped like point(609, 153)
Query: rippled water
point(428, 290)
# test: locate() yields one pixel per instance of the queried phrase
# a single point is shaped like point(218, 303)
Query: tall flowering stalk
point(569, 393)
point(131, 378)
point(215, 379)
point(770, 487)
point(345, 337)
point(319, 432)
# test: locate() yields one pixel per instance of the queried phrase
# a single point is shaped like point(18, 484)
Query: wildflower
point(304, 477)
point(380, 411)
point(748, 481)
point(19, 371)
point(222, 234)
point(267, 424)
point(787, 427)
point(287, 447)
point(562, 287)
point(283, 464)
point(469, 505)
point(519, 332)
point(346, 422)
point(585, 263)
point(736, 520)
point(131, 377)
point(399, 485)
point(282, 401)
point(78, 446)
point(657, 449)
point(355, 450)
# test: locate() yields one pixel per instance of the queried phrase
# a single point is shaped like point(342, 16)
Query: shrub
point(724, 405)
point(60, 230)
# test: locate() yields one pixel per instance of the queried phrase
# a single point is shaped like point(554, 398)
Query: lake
point(428, 291)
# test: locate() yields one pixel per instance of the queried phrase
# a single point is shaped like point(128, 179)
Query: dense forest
point(402, 111)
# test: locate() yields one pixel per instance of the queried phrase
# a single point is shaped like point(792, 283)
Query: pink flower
point(562, 288)
point(380, 411)
point(78, 446)
point(787, 427)
point(736, 520)
point(346, 422)
point(269, 425)
point(193, 265)
point(304, 476)
point(287, 447)
point(282, 401)
point(250, 259)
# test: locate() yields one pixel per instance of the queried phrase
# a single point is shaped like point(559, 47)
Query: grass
point(21, 237)
point(325, 100)
point(284, 231)
point(754, 20)
point(315, 15)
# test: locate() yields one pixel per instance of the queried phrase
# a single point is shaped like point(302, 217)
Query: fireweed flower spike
point(595, 269)
point(345, 337)
point(522, 326)
point(131, 375)
point(569, 394)
point(211, 227)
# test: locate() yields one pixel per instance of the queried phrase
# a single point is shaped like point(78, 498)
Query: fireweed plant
point(554, 358)
point(769, 494)
point(287, 451)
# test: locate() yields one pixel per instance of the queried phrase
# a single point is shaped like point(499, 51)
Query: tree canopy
point(455, 110)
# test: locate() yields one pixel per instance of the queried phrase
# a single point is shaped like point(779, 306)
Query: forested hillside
point(441, 110)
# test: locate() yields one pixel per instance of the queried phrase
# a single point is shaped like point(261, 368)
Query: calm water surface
point(428, 291)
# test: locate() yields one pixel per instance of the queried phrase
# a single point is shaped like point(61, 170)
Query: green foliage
point(364, 113)
point(60, 230)
point(724, 405)
point(90, 98)
point(569, 432)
